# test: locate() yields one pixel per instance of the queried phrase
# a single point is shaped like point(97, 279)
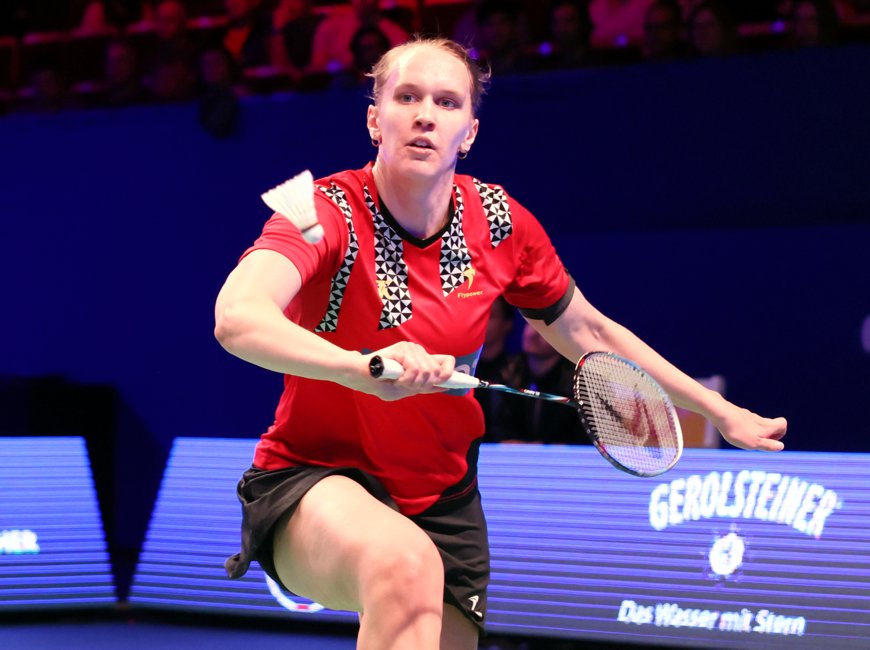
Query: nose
point(425, 114)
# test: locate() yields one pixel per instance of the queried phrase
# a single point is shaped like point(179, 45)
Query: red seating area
point(79, 57)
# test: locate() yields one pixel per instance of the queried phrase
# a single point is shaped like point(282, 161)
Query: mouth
point(421, 144)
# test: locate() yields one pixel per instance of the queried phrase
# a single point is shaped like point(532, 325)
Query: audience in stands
point(570, 32)
point(711, 29)
point(248, 32)
point(813, 23)
point(221, 84)
point(294, 24)
point(492, 367)
point(52, 56)
point(501, 48)
point(617, 23)
point(521, 419)
point(368, 45)
point(332, 41)
point(663, 31)
point(122, 83)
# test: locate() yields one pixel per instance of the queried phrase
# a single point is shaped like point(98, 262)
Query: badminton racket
point(626, 414)
point(294, 199)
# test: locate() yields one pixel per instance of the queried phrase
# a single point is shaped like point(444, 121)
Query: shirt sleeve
point(312, 261)
point(541, 287)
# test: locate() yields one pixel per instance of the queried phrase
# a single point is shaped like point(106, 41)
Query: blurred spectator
point(122, 83)
point(498, 23)
point(172, 40)
point(220, 78)
point(712, 30)
point(248, 32)
point(95, 20)
point(294, 24)
point(617, 23)
point(523, 419)
point(47, 91)
point(173, 80)
point(663, 31)
point(331, 49)
point(492, 367)
point(813, 23)
point(570, 32)
point(171, 56)
point(368, 45)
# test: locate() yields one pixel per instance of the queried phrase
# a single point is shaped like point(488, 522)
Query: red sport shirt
point(369, 284)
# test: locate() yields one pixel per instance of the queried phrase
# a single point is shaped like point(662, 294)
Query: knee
point(406, 571)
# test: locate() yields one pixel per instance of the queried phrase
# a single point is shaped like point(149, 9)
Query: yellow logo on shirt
point(469, 275)
point(383, 291)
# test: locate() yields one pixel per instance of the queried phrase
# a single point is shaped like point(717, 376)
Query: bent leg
point(346, 550)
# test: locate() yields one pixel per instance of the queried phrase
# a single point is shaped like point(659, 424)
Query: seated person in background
point(368, 45)
point(173, 80)
point(247, 35)
point(492, 366)
point(813, 23)
point(220, 83)
point(331, 50)
point(712, 30)
point(522, 419)
point(663, 31)
point(570, 30)
point(501, 49)
point(122, 84)
point(96, 20)
point(294, 24)
point(617, 23)
point(171, 45)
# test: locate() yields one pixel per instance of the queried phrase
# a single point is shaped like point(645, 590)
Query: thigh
point(324, 549)
point(457, 632)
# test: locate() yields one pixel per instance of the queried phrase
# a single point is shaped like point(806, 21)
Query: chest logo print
point(383, 289)
point(469, 275)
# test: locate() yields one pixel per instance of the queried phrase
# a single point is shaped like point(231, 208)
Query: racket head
point(627, 415)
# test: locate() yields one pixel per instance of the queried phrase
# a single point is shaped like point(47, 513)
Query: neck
point(421, 206)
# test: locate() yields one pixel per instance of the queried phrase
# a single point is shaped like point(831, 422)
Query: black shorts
point(457, 528)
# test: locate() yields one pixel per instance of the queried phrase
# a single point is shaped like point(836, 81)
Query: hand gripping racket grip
point(381, 368)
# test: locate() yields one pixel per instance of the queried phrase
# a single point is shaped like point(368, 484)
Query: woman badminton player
point(363, 493)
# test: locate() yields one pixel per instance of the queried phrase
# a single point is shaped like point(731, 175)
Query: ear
point(372, 122)
point(471, 135)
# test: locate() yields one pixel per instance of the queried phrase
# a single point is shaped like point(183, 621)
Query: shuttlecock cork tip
point(313, 234)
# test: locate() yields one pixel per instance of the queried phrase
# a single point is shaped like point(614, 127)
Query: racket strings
point(628, 414)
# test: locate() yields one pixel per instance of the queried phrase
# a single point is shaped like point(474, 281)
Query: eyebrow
point(409, 85)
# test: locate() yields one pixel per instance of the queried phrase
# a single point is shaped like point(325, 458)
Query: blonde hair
point(478, 77)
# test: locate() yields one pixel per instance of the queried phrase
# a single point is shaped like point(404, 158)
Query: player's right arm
point(250, 324)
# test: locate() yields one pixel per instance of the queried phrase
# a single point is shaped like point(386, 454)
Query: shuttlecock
point(295, 200)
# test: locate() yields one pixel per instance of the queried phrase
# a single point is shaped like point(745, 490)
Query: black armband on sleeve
point(551, 313)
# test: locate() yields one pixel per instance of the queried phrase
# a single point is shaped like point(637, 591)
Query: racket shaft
point(393, 370)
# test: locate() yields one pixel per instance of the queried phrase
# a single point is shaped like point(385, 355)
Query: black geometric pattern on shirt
point(391, 272)
point(497, 210)
point(339, 280)
point(455, 258)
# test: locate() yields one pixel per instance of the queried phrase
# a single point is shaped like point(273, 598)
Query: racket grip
point(381, 368)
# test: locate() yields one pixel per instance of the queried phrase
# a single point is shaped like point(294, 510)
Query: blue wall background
point(721, 209)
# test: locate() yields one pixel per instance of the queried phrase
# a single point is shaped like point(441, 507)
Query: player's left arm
point(582, 328)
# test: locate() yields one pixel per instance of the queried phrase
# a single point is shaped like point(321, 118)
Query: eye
point(406, 98)
point(448, 103)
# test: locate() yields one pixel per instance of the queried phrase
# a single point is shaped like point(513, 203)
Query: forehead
point(425, 64)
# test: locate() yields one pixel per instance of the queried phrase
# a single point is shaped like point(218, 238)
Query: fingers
point(748, 430)
point(422, 372)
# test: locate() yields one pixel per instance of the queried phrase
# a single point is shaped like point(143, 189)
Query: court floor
point(132, 634)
